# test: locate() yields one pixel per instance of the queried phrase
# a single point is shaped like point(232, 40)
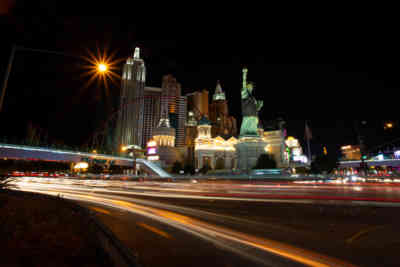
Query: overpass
point(47, 154)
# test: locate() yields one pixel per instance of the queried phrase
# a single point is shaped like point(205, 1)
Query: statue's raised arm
point(259, 104)
point(250, 108)
point(245, 92)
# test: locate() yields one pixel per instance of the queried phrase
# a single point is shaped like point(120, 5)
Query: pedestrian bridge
point(383, 162)
point(48, 154)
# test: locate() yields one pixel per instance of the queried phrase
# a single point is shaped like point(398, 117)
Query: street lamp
point(103, 66)
point(133, 149)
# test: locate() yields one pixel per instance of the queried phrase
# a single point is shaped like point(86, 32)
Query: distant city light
point(152, 151)
point(388, 125)
point(153, 157)
point(151, 143)
point(300, 158)
point(292, 142)
point(81, 165)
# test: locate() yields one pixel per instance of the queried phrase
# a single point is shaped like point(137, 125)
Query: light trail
point(220, 236)
point(347, 195)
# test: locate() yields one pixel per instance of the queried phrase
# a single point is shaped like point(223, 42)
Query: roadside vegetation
point(37, 230)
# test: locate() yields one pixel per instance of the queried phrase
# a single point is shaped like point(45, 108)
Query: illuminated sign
point(301, 158)
point(292, 142)
point(81, 165)
point(153, 158)
point(151, 151)
point(151, 143)
point(296, 151)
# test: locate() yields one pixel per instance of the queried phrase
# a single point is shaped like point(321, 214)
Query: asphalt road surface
point(267, 224)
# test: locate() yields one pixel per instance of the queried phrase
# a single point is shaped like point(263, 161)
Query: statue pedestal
point(248, 149)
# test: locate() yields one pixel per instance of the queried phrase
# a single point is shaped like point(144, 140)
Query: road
point(192, 224)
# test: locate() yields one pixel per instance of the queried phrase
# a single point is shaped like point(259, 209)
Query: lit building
point(151, 111)
point(190, 135)
point(222, 123)
point(180, 129)
point(276, 146)
point(209, 150)
point(197, 102)
point(129, 129)
point(176, 107)
point(294, 153)
point(217, 153)
point(351, 152)
point(164, 134)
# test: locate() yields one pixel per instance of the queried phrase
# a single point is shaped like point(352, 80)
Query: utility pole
point(7, 74)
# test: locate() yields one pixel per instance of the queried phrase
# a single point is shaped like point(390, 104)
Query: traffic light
point(325, 151)
point(364, 157)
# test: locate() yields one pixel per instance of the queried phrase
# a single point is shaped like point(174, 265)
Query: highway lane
point(224, 232)
point(367, 192)
point(236, 224)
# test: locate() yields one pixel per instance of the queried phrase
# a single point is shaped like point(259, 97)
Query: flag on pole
point(308, 134)
point(308, 137)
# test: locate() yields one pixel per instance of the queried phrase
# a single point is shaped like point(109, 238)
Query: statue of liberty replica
point(250, 109)
point(250, 145)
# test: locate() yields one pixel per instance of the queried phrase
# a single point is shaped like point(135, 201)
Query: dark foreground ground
point(36, 230)
point(362, 235)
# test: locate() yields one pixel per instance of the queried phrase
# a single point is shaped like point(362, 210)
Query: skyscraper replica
point(129, 129)
point(151, 111)
point(222, 124)
point(165, 135)
point(197, 102)
point(176, 107)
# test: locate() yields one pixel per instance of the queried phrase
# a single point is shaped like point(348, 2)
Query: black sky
point(330, 74)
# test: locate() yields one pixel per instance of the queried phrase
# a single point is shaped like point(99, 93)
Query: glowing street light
point(388, 125)
point(101, 67)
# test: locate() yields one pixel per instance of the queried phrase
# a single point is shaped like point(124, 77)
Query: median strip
point(154, 230)
point(100, 210)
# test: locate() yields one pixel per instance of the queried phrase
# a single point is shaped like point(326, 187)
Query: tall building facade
point(151, 111)
point(182, 115)
point(222, 124)
point(197, 102)
point(129, 129)
point(176, 104)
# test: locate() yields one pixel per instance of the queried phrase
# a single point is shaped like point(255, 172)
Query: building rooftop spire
point(219, 94)
point(136, 54)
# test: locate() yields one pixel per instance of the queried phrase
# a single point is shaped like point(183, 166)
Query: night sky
point(330, 74)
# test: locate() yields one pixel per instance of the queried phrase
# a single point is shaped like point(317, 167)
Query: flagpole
point(308, 142)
